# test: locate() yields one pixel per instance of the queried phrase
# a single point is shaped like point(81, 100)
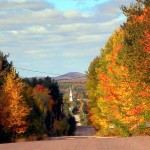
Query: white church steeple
point(70, 95)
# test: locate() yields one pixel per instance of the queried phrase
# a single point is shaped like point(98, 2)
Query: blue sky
point(80, 5)
point(56, 36)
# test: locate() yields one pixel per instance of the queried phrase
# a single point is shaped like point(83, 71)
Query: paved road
point(83, 143)
point(85, 131)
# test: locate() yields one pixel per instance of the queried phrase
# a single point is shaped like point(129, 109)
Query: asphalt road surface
point(85, 131)
point(83, 143)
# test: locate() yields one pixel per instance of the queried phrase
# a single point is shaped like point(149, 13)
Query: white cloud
point(71, 14)
point(46, 13)
point(35, 30)
point(17, 1)
point(15, 5)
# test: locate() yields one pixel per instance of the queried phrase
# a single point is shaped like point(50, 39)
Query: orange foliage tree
point(14, 111)
point(120, 103)
point(43, 98)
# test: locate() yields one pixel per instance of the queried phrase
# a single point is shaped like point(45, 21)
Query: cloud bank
point(36, 32)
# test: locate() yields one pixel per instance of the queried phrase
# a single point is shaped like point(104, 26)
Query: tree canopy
point(118, 80)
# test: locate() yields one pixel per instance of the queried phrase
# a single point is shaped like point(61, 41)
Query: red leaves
point(40, 87)
point(119, 47)
point(51, 104)
point(146, 42)
point(110, 68)
point(142, 17)
point(104, 81)
point(145, 10)
point(144, 94)
point(104, 77)
point(135, 111)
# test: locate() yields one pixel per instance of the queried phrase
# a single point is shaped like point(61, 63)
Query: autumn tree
point(119, 103)
point(55, 94)
point(92, 85)
point(137, 58)
point(48, 99)
point(14, 111)
point(5, 67)
point(35, 119)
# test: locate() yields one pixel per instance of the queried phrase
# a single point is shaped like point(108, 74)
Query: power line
point(73, 77)
point(36, 71)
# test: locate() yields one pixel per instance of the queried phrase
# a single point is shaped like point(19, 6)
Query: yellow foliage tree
point(14, 111)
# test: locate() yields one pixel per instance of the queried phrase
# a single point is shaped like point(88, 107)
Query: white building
point(70, 96)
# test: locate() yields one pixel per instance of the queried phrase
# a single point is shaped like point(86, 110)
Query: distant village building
point(70, 96)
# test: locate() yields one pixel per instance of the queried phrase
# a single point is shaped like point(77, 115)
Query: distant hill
point(70, 76)
point(74, 80)
point(67, 76)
